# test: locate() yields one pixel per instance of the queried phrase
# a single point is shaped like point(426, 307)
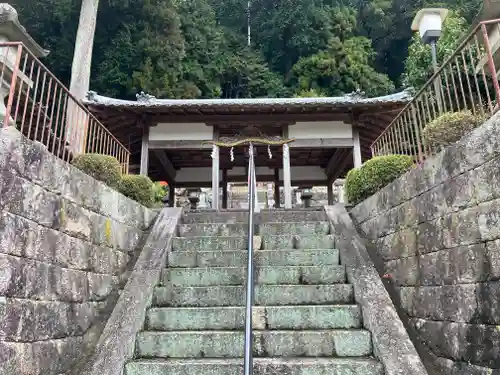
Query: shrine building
point(172, 139)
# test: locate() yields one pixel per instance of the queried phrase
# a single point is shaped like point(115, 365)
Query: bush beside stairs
point(305, 319)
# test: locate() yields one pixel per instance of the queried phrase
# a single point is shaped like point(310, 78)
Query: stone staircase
point(305, 319)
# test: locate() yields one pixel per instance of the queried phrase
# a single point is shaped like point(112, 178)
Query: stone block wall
point(65, 243)
point(437, 233)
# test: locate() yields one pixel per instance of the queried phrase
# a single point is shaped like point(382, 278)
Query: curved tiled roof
point(145, 101)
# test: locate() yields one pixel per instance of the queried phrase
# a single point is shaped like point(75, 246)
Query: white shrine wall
point(181, 132)
point(320, 129)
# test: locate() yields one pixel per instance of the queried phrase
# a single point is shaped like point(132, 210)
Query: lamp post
point(429, 23)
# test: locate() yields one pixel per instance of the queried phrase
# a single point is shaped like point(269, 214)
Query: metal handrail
point(407, 127)
point(248, 359)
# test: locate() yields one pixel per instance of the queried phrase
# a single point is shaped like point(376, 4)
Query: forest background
point(199, 48)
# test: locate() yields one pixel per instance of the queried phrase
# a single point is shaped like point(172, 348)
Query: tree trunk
point(82, 59)
point(76, 119)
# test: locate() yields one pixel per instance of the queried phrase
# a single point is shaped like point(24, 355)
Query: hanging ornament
point(269, 151)
point(214, 152)
point(231, 153)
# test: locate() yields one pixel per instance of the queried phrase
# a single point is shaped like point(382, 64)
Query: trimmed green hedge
point(101, 167)
point(138, 188)
point(373, 175)
point(451, 127)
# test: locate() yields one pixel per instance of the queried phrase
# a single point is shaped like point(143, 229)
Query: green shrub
point(101, 167)
point(450, 128)
point(374, 175)
point(138, 188)
point(160, 191)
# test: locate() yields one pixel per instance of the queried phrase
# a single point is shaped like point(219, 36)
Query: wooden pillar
point(277, 195)
point(329, 186)
point(145, 150)
point(287, 176)
point(171, 195)
point(356, 148)
point(215, 178)
point(224, 188)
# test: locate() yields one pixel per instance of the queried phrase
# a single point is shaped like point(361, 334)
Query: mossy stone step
point(241, 229)
point(295, 228)
point(268, 317)
point(228, 344)
point(228, 217)
point(206, 243)
point(261, 366)
point(263, 275)
point(280, 295)
point(262, 258)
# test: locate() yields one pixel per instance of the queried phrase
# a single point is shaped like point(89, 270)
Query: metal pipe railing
point(44, 110)
point(468, 81)
point(248, 359)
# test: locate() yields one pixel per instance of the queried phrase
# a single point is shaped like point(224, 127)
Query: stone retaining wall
point(65, 243)
point(437, 231)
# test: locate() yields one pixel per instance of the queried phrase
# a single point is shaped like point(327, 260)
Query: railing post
point(417, 133)
point(491, 65)
point(6, 120)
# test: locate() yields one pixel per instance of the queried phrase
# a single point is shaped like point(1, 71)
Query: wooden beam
point(356, 148)
point(144, 150)
point(261, 178)
point(224, 188)
point(277, 194)
point(252, 118)
point(166, 164)
point(287, 176)
point(215, 172)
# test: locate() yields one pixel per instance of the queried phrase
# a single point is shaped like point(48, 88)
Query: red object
point(163, 183)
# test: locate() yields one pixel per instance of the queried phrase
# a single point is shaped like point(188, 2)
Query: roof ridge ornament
point(91, 96)
point(143, 97)
point(358, 94)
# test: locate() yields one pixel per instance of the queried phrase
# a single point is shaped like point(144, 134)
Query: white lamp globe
point(429, 23)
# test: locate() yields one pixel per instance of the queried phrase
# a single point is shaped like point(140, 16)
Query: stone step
point(229, 344)
point(207, 243)
point(241, 229)
point(263, 275)
point(295, 228)
point(213, 229)
point(261, 366)
point(262, 258)
point(269, 317)
point(265, 295)
point(229, 217)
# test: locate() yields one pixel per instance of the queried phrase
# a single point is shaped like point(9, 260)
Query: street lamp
point(429, 23)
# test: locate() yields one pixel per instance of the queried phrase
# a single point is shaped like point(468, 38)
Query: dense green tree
point(198, 48)
point(53, 24)
point(203, 39)
point(144, 48)
point(344, 67)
